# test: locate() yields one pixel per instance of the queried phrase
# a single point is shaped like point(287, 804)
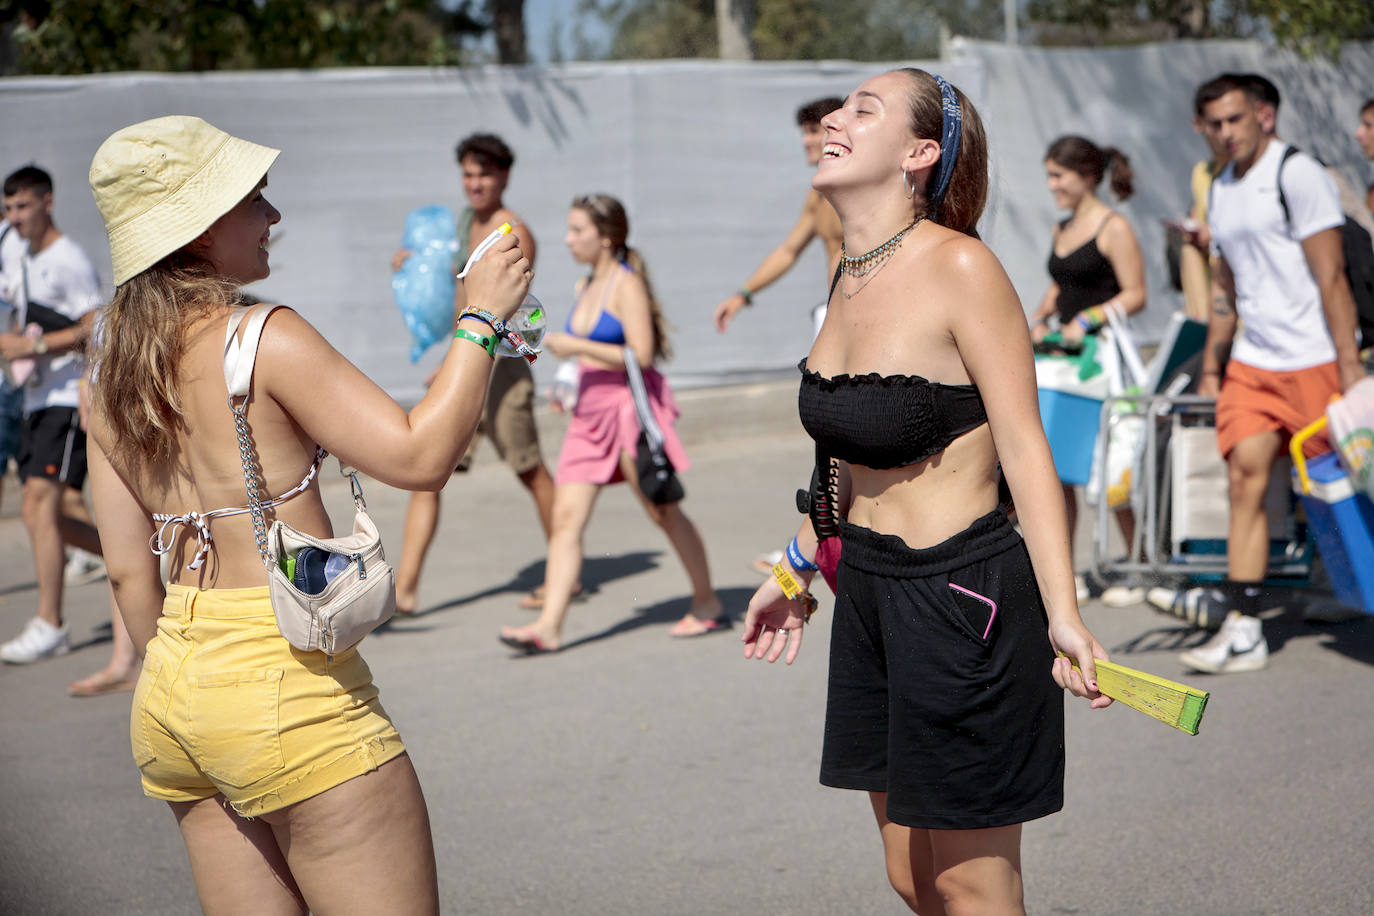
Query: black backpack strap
point(1288, 153)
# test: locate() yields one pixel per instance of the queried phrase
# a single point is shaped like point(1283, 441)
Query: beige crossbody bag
point(358, 599)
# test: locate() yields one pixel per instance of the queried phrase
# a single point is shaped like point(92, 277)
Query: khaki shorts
point(226, 706)
point(508, 418)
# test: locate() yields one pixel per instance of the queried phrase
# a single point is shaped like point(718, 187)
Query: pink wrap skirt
point(604, 425)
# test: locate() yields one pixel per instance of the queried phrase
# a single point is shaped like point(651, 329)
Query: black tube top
point(888, 421)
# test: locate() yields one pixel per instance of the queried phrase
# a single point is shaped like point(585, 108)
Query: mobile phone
point(315, 568)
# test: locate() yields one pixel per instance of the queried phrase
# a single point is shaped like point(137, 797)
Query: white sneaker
point(1081, 586)
point(1122, 595)
point(1161, 597)
point(1238, 646)
point(82, 568)
point(39, 640)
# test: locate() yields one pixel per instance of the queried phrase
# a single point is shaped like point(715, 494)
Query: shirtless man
point(508, 420)
point(817, 220)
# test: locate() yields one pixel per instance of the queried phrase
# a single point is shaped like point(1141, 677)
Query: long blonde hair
point(139, 349)
point(608, 216)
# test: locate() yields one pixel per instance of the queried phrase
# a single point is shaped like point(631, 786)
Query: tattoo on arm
point(1221, 307)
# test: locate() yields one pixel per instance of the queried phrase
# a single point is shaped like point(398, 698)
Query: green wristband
point(483, 341)
point(747, 294)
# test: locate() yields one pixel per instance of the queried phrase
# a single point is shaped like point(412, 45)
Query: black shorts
point(52, 444)
point(940, 686)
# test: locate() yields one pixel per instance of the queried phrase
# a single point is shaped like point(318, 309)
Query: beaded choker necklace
point(865, 263)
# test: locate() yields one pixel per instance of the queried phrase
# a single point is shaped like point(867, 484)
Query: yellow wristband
point(793, 590)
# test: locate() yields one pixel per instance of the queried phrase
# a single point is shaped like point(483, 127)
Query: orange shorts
point(1255, 401)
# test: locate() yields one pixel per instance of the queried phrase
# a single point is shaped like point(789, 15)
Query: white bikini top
point(238, 374)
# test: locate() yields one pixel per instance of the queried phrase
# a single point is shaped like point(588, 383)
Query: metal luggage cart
point(1181, 497)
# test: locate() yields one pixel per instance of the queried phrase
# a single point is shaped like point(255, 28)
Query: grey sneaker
point(1329, 610)
point(1238, 646)
point(38, 641)
point(1202, 607)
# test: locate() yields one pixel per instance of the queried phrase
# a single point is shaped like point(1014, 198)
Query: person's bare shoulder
point(969, 274)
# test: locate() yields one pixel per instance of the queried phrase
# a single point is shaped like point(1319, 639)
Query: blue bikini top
point(608, 328)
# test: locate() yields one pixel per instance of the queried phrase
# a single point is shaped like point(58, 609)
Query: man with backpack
point(1276, 226)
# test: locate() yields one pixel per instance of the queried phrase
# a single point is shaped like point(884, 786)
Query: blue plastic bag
point(424, 285)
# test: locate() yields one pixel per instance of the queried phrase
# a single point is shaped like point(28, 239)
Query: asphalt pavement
point(633, 773)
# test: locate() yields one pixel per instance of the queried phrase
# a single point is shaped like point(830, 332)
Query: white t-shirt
point(59, 279)
point(12, 249)
point(1283, 327)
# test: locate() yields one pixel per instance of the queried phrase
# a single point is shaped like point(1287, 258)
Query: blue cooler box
point(1342, 523)
point(1071, 422)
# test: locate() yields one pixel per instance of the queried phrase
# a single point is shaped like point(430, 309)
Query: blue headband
point(951, 129)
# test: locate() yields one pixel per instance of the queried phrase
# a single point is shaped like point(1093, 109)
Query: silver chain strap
point(250, 478)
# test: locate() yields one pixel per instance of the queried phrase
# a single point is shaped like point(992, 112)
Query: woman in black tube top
point(945, 700)
point(1095, 264)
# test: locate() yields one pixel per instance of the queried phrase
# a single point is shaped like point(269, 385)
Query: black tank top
point(1084, 275)
point(888, 421)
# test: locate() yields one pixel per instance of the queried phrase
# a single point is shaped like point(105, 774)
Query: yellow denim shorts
point(225, 705)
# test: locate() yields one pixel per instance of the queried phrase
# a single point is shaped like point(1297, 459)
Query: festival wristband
point(502, 331)
point(482, 315)
point(793, 590)
point(483, 341)
point(799, 562)
point(747, 295)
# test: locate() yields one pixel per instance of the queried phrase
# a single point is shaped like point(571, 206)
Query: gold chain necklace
point(870, 261)
point(870, 264)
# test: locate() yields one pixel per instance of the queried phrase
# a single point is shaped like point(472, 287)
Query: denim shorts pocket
point(144, 692)
point(234, 721)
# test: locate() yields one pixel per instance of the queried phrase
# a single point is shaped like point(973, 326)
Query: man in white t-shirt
point(11, 395)
point(1282, 274)
point(55, 293)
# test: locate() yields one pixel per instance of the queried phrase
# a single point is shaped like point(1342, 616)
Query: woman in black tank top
point(1095, 264)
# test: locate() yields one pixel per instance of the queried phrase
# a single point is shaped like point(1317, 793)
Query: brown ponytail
point(612, 224)
point(967, 193)
point(1081, 155)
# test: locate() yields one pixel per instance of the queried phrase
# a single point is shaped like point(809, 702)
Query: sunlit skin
point(1365, 133)
point(1234, 119)
point(1067, 187)
point(813, 138)
point(236, 243)
point(864, 139)
point(483, 184)
point(31, 216)
point(583, 241)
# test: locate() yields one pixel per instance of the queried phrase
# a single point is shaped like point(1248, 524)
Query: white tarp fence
point(705, 155)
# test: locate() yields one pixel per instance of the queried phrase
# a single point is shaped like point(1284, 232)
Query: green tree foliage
point(654, 29)
point(905, 29)
point(1309, 26)
point(1315, 26)
point(794, 29)
point(86, 36)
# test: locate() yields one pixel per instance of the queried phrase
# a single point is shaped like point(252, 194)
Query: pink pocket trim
point(983, 598)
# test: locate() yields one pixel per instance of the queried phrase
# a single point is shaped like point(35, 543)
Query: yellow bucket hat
point(159, 184)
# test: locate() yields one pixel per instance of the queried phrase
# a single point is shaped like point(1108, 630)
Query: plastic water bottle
point(529, 321)
point(564, 387)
